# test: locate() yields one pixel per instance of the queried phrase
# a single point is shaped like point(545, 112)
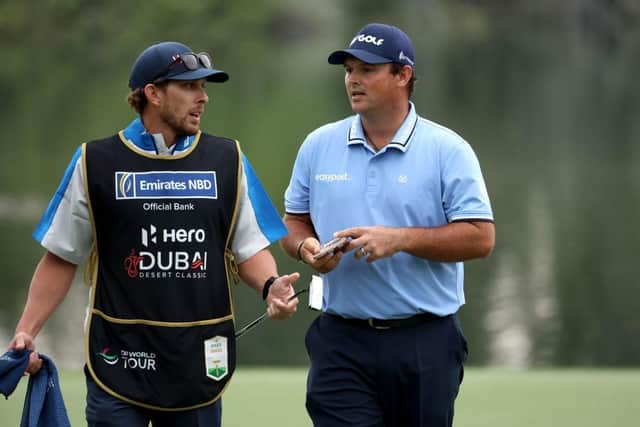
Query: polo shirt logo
point(332, 177)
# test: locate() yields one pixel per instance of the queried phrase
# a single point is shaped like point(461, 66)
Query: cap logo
point(365, 38)
point(404, 57)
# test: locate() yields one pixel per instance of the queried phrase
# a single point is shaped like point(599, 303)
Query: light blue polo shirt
point(427, 176)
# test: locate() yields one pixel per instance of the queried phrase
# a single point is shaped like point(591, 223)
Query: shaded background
point(546, 92)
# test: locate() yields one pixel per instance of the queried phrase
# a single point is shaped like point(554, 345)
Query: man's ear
point(405, 74)
point(154, 94)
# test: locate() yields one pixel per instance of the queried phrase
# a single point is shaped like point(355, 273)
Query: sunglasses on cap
point(190, 60)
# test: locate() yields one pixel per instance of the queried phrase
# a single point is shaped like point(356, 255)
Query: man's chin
point(357, 107)
point(189, 130)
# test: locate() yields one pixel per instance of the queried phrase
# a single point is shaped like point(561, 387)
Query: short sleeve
point(65, 227)
point(258, 223)
point(465, 193)
point(296, 197)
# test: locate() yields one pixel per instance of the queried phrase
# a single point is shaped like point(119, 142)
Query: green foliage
point(546, 92)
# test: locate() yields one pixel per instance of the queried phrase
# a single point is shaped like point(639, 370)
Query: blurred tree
point(546, 93)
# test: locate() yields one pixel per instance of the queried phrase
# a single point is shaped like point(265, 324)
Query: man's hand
point(278, 304)
point(373, 243)
point(21, 341)
point(311, 247)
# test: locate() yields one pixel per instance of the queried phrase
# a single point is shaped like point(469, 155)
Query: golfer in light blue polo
point(387, 349)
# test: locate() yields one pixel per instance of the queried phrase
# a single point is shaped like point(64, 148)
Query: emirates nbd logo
point(166, 185)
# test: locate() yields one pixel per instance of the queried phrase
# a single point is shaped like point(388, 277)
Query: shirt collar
point(154, 143)
point(400, 140)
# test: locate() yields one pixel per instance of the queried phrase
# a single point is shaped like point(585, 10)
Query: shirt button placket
point(372, 178)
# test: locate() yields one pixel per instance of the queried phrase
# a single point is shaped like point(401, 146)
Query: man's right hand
point(310, 247)
point(21, 341)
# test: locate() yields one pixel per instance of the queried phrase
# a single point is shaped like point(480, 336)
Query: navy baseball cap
point(378, 44)
point(172, 61)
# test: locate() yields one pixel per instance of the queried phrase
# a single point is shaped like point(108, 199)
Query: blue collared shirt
point(427, 176)
point(154, 143)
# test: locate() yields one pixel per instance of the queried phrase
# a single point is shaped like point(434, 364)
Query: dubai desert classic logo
point(167, 264)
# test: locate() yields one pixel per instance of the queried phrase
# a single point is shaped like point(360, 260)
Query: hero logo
point(149, 235)
point(167, 264)
point(173, 235)
point(365, 38)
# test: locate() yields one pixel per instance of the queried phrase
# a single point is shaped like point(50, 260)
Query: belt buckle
point(370, 321)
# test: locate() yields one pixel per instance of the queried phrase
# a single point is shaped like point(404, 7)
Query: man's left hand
point(278, 304)
point(373, 243)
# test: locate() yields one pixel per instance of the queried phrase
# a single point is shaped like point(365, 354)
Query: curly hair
point(137, 100)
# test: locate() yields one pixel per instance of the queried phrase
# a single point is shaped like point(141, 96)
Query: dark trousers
point(397, 377)
point(104, 410)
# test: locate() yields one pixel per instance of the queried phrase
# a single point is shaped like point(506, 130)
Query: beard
point(179, 126)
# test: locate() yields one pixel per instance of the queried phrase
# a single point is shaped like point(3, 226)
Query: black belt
point(418, 319)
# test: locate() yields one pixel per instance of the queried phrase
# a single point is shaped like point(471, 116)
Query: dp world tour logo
point(109, 359)
point(139, 360)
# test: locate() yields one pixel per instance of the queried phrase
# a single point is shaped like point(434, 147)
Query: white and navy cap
point(378, 44)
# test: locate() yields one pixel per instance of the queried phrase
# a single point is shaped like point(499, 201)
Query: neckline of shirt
point(154, 143)
point(400, 140)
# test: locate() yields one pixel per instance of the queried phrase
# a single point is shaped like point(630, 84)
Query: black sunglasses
point(190, 60)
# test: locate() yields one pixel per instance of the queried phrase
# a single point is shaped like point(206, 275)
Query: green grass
point(489, 397)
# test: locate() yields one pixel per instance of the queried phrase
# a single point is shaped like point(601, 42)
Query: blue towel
point(12, 366)
point(43, 404)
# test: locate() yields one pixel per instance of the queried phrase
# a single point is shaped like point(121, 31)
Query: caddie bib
point(160, 330)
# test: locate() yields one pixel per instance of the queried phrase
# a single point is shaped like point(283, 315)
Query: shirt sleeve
point(296, 197)
point(258, 223)
point(65, 227)
point(465, 195)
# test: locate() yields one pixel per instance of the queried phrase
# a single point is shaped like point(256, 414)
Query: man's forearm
point(257, 269)
point(299, 227)
point(279, 295)
point(458, 241)
point(50, 283)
